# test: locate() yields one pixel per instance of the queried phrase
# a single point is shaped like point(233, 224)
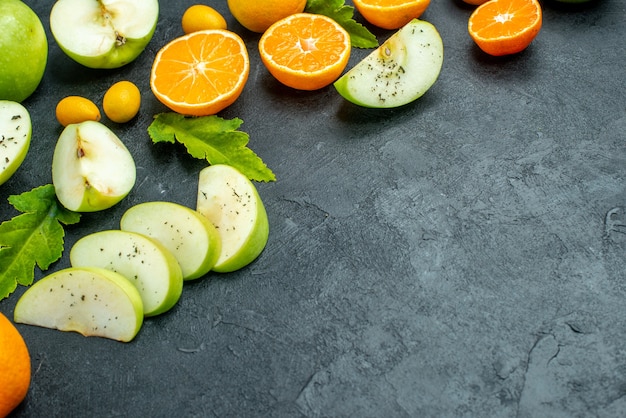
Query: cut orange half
point(390, 14)
point(200, 73)
point(305, 51)
point(503, 27)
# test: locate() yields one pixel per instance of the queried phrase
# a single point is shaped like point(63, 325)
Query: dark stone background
point(462, 256)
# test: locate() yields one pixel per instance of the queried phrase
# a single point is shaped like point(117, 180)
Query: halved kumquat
point(504, 27)
point(201, 73)
point(305, 51)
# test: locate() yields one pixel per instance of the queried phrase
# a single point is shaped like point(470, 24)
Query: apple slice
point(230, 201)
point(92, 169)
point(399, 71)
point(103, 33)
point(152, 268)
point(191, 238)
point(15, 133)
point(91, 301)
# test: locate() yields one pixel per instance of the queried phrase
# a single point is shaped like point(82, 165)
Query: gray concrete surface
point(462, 256)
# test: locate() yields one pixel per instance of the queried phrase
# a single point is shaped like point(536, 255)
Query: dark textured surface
point(460, 256)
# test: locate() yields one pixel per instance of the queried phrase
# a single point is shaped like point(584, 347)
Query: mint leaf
point(360, 36)
point(33, 238)
point(211, 138)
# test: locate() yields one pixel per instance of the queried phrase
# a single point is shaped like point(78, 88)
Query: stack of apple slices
point(118, 277)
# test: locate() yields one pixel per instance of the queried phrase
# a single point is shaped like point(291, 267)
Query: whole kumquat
point(122, 101)
point(76, 109)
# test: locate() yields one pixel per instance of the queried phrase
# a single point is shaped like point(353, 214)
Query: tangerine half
point(200, 73)
point(305, 51)
point(503, 27)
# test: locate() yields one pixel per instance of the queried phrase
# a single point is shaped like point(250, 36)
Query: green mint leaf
point(213, 139)
point(35, 237)
point(360, 36)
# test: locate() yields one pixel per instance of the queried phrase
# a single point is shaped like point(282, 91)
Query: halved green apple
point(190, 237)
point(399, 71)
point(230, 201)
point(15, 134)
point(103, 33)
point(92, 169)
point(151, 267)
point(91, 301)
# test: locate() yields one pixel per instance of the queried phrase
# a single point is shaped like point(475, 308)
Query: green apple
point(91, 301)
point(23, 50)
point(15, 133)
point(92, 169)
point(399, 71)
point(103, 33)
point(184, 232)
point(152, 268)
point(230, 201)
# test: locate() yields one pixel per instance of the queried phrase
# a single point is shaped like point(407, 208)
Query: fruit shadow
point(365, 119)
point(507, 68)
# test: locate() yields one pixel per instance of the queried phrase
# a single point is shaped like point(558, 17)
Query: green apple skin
point(192, 239)
point(92, 169)
point(23, 51)
point(103, 34)
point(152, 268)
point(399, 71)
point(91, 301)
point(232, 203)
point(15, 134)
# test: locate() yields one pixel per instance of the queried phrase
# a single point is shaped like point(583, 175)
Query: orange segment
point(503, 27)
point(390, 14)
point(200, 73)
point(305, 51)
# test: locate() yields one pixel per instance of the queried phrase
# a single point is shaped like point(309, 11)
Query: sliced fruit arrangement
point(504, 27)
point(153, 269)
point(119, 277)
point(200, 73)
point(191, 238)
point(15, 136)
point(391, 14)
point(90, 301)
point(305, 51)
point(399, 71)
point(105, 33)
point(231, 202)
point(92, 169)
